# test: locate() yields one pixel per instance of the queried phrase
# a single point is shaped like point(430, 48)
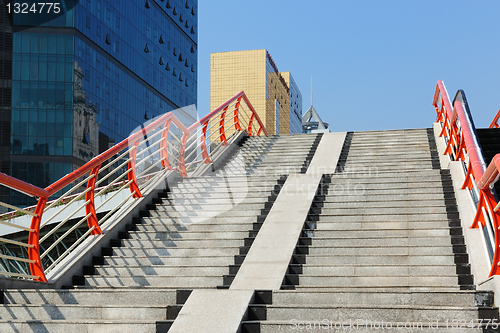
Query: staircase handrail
point(462, 145)
point(166, 142)
point(494, 122)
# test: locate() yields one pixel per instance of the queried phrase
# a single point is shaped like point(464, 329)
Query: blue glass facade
point(295, 106)
point(84, 80)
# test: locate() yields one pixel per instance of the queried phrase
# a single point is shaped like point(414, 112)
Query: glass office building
point(274, 94)
point(81, 81)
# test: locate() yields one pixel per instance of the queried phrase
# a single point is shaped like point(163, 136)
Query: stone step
point(209, 207)
point(88, 325)
point(344, 224)
point(370, 241)
point(272, 326)
point(181, 243)
point(41, 312)
point(386, 250)
point(216, 221)
point(256, 196)
point(412, 289)
point(384, 221)
point(391, 162)
point(218, 200)
point(189, 235)
point(148, 270)
point(379, 281)
point(175, 252)
point(397, 187)
point(97, 297)
point(379, 152)
point(219, 260)
point(373, 259)
point(389, 179)
point(384, 204)
point(174, 282)
point(222, 187)
point(386, 313)
point(362, 171)
point(221, 225)
point(340, 298)
point(378, 233)
point(363, 192)
point(203, 214)
point(369, 198)
point(381, 270)
point(386, 211)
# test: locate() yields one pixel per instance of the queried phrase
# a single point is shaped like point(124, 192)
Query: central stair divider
point(268, 258)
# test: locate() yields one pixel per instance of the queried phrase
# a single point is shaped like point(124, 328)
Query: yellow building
point(274, 94)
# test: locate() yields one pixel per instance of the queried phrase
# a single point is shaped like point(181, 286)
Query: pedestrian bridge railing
point(125, 171)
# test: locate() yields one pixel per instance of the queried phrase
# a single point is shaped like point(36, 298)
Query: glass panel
point(33, 94)
point(42, 43)
point(25, 61)
point(42, 67)
point(26, 43)
point(25, 94)
point(52, 44)
point(17, 43)
point(33, 67)
point(61, 44)
point(52, 68)
point(60, 68)
point(16, 67)
point(16, 94)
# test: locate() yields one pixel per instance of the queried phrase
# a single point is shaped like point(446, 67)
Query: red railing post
point(468, 178)
point(163, 146)
point(236, 115)
point(250, 121)
point(203, 143)
point(134, 188)
point(36, 268)
point(222, 133)
point(90, 206)
point(182, 155)
point(494, 123)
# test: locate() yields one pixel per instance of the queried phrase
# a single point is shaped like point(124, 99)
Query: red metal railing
point(166, 143)
point(459, 133)
point(494, 123)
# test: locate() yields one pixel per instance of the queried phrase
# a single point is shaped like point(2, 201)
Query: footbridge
point(220, 227)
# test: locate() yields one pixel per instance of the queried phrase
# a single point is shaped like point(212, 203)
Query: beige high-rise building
point(274, 95)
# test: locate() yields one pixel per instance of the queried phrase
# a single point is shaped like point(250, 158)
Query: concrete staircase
point(192, 236)
point(386, 247)
point(381, 248)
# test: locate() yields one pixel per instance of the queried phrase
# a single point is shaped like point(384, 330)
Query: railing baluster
point(90, 206)
point(131, 174)
point(164, 146)
point(203, 143)
point(36, 267)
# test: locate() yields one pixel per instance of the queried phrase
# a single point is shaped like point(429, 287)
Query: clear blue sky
point(374, 63)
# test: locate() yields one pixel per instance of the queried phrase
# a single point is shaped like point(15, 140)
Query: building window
point(87, 22)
